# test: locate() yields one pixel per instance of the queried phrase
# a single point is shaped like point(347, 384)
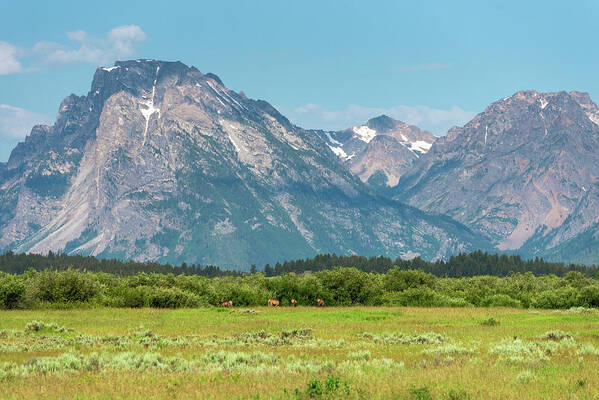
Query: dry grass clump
point(244, 311)
point(526, 377)
point(449, 349)
point(376, 366)
point(490, 322)
point(359, 355)
point(556, 335)
point(400, 338)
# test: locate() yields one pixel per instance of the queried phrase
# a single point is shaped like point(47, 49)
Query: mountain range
point(162, 162)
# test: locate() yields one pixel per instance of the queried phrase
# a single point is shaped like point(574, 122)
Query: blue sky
point(328, 64)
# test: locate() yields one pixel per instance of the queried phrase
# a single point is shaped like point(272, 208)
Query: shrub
point(12, 291)
point(420, 393)
point(417, 297)
point(588, 296)
point(64, 286)
point(396, 280)
point(172, 298)
point(158, 297)
point(556, 298)
point(347, 286)
point(457, 395)
point(37, 326)
point(501, 300)
point(330, 388)
point(490, 322)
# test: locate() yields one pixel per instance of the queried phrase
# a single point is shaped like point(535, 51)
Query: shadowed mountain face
point(380, 151)
point(524, 173)
point(161, 162)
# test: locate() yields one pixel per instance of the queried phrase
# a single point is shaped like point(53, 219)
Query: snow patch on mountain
point(364, 133)
point(420, 145)
point(338, 152)
point(150, 109)
point(593, 117)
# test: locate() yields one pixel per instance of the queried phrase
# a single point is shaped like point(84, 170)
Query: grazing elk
point(320, 303)
point(226, 304)
point(293, 303)
point(274, 303)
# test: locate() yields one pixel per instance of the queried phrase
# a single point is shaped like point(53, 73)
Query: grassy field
point(284, 353)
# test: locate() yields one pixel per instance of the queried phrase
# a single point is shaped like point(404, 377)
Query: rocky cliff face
point(524, 173)
point(380, 151)
point(161, 162)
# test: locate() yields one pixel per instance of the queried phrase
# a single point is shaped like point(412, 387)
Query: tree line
point(476, 263)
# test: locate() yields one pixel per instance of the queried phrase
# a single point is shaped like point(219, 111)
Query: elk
point(320, 303)
point(226, 304)
point(274, 303)
point(293, 303)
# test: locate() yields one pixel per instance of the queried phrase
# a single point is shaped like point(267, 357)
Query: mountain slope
point(524, 172)
point(380, 151)
point(161, 162)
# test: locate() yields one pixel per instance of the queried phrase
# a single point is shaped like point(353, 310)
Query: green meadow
point(300, 353)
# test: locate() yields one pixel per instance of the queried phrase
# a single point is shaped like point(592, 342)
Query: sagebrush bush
point(400, 338)
point(37, 326)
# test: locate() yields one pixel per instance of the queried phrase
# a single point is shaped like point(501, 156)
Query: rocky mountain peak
point(524, 117)
point(382, 123)
point(518, 170)
point(161, 162)
point(379, 151)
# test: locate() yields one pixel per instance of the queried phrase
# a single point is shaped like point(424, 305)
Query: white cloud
point(16, 123)
point(124, 38)
point(437, 121)
point(119, 43)
point(9, 63)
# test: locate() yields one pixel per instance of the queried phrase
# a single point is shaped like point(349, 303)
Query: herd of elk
point(272, 303)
